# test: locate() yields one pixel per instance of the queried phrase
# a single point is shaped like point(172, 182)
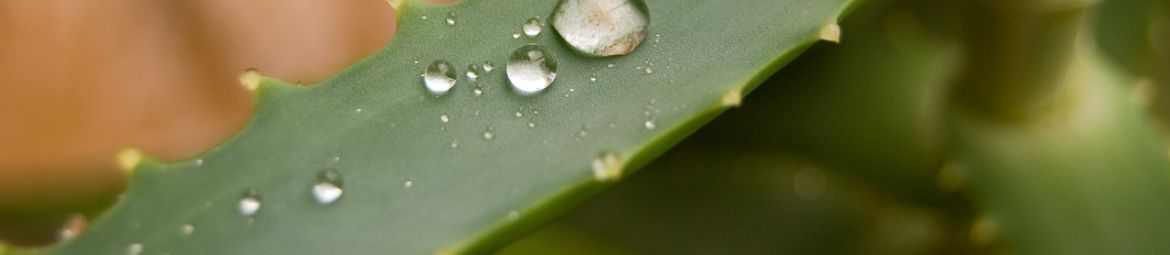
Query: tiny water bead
point(249, 204)
point(134, 249)
point(473, 72)
point(650, 124)
point(450, 18)
point(327, 188)
point(407, 184)
point(601, 27)
point(187, 229)
point(531, 69)
point(532, 27)
point(444, 118)
point(488, 66)
point(439, 77)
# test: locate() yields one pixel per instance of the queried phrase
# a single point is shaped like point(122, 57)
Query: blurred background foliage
point(952, 127)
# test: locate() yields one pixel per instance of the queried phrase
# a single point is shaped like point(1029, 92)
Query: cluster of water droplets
point(530, 69)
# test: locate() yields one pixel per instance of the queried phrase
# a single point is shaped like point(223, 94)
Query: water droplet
point(134, 249)
point(187, 229)
point(473, 72)
point(649, 70)
point(515, 35)
point(531, 69)
point(532, 27)
point(439, 77)
point(444, 118)
point(531, 125)
point(650, 124)
point(488, 135)
point(249, 204)
point(607, 167)
point(610, 65)
point(199, 162)
point(455, 144)
point(407, 184)
point(593, 78)
point(601, 27)
point(336, 159)
point(478, 91)
point(450, 18)
point(357, 110)
point(809, 183)
point(519, 114)
point(513, 215)
point(488, 66)
point(327, 188)
point(424, 17)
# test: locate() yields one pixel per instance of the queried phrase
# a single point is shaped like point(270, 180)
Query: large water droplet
point(249, 204)
point(439, 77)
point(327, 188)
point(601, 27)
point(531, 69)
point(532, 27)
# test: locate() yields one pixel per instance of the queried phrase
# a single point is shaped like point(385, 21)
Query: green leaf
point(378, 128)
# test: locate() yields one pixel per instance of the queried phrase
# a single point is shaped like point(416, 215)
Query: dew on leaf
point(327, 187)
point(531, 69)
point(439, 77)
point(532, 27)
point(601, 27)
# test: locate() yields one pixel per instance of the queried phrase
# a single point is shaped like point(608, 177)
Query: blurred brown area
point(81, 79)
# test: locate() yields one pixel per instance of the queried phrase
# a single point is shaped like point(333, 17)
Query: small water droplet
point(134, 249)
point(199, 162)
point(478, 91)
point(607, 166)
point(515, 35)
point(444, 118)
point(532, 27)
point(439, 77)
point(336, 159)
point(407, 184)
point(531, 125)
point(610, 65)
point(455, 144)
point(519, 114)
point(513, 215)
point(357, 110)
point(450, 18)
point(649, 124)
point(327, 187)
point(249, 204)
point(488, 66)
point(531, 69)
point(649, 70)
point(488, 135)
point(593, 78)
point(187, 229)
point(601, 27)
point(473, 72)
